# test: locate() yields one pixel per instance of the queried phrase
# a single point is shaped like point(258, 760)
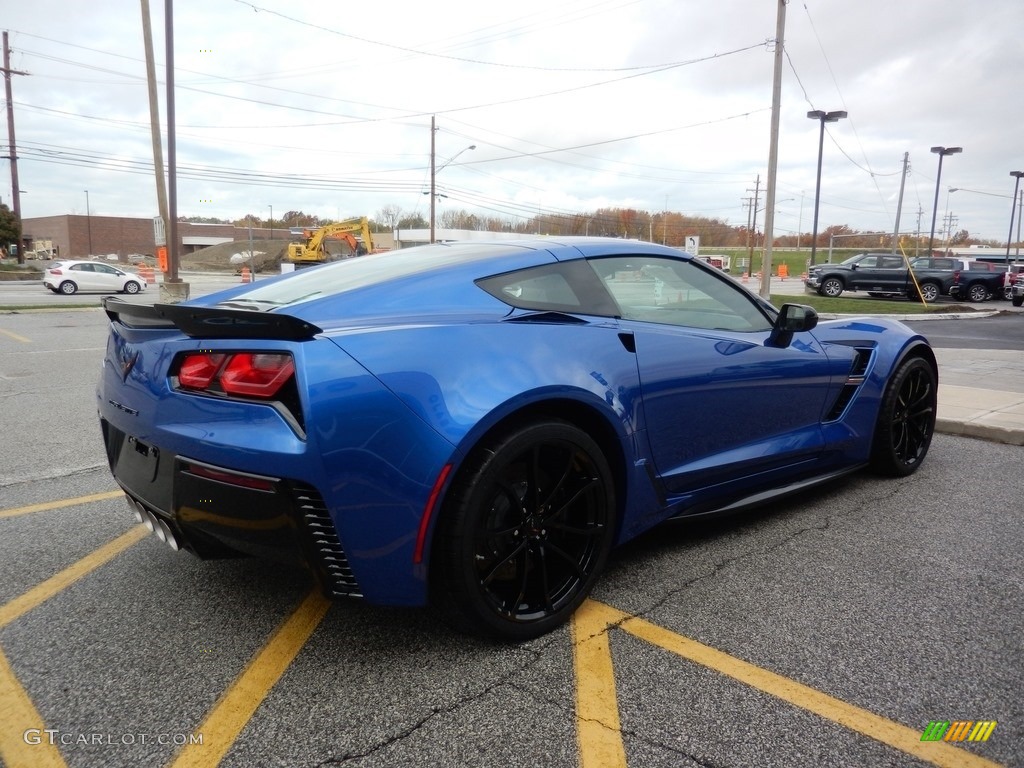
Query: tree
point(10, 232)
point(389, 216)
point(413, 221)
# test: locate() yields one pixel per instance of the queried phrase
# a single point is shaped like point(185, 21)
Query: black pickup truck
point(885, 275)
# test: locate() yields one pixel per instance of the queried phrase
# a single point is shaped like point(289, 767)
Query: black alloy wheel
point(526, 532)
point(906, 419)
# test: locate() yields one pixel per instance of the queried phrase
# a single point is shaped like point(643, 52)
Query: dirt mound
point(267, 256)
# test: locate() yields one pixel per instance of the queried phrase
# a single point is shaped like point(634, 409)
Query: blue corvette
point(476, 425)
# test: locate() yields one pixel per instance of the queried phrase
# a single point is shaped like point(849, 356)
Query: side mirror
point(793, 318)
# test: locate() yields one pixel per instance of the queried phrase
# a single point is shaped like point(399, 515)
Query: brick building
point(76, 236)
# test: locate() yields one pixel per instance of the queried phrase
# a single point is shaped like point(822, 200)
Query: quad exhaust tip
point(154, 524)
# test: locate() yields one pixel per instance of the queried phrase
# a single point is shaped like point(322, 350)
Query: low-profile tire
point(524, 533)
point(977, 293)
point(132, 287)
point(68, 288)
point(906, 419)
point(832, 287)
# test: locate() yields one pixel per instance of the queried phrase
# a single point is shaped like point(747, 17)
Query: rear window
point(352, 274)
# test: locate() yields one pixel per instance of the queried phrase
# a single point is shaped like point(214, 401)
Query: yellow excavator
point(354, 233)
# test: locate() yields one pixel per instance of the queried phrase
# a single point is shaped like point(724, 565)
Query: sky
point(325, 107)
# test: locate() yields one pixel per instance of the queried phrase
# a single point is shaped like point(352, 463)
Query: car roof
point(423, 280)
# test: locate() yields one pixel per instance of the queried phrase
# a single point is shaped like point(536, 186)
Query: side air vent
point(854, 380)
point(329, 556)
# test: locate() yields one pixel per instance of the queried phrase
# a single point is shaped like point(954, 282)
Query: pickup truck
point(885, 275)
point(979, 281)
point(1017, 291)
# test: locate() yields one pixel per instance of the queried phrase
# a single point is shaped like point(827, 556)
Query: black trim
point(210, 322)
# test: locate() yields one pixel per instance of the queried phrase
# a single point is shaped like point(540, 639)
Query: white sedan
point(70, 277)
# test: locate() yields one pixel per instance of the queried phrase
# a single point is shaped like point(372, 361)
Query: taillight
point(56, 272)
point(247, 374)
point(197, 371)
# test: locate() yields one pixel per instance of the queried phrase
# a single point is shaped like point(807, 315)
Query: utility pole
point(899, 204)
point(433, 174)
point(13, 157)
point(773, 152)
point(753, 227)
point(154, 115)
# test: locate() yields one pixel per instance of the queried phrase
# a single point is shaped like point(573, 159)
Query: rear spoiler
point(209, 322)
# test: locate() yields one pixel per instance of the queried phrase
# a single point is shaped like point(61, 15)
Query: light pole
point(434, 171)
point(941, 152)
point(823, 117)
point(271, 221)
point(1009, 237)
point(88, 220)
point(948, 217)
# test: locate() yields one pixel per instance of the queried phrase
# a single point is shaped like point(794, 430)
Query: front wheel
point(131, 287)
point(525, 532)
point(906, 419)
point(832, 287)
point(1017, 300)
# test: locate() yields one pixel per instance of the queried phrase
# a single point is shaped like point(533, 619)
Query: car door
point(721, 406)
point(108, 278)
point(84, 276)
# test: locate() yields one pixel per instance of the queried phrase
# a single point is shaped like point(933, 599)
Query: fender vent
point(854, 380)
point(328, 555)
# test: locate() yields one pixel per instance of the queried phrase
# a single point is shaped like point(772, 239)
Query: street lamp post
point(271, 221)
point(823, 117)
point(941, 152)
point(88, 220)
point(434, 171)
point(1013, 208)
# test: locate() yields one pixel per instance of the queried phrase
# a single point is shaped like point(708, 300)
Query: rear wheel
point(929, 292)
point(906, 419)
point(977, 293)
point(525, 533)
point(68, 288)
point(833, 287)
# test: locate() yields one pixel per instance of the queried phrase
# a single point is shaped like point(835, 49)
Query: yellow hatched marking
point(597, 709)
point(46, 506)
point(63, 579)
point(239, 703)
point(15, 336)
point(18, 714)
point(849, 716)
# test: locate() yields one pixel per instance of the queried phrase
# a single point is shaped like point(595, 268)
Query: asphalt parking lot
point(827, 631)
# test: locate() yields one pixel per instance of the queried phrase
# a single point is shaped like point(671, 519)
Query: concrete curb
point(980, 431)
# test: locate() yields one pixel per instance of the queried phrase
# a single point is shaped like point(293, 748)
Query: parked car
point(883, 275)
point(69, 277)
point(1017, 290)
point(475, 425)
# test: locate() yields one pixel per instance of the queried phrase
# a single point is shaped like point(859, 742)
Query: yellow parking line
point(240, 702)
point(15, 336)
point(597, 708)
point(15, 511)
point(63, 579)
point(22, 727)
point(860, 720)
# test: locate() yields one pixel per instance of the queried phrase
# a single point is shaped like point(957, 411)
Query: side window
point(82, 267)
point(569, 286)
point(868, 262)
point(677, 292)
point(892, 262)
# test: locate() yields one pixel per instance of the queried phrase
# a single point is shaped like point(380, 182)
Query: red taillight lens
point(197, 371)
point(248, 374)
point(56, 272)
point(256, 375)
